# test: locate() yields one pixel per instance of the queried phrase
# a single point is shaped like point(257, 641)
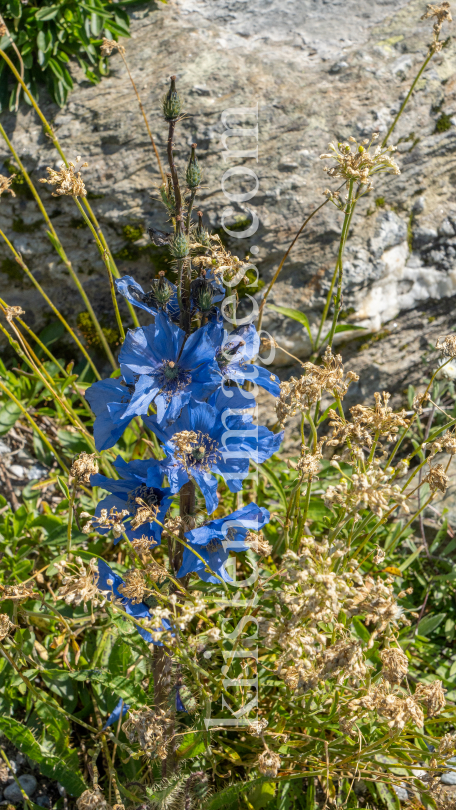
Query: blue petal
point(179, 705)
point(115, 714)
point(208, 486)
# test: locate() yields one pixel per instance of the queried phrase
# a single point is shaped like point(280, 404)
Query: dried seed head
point(112, 521)
point(144, 514)
point(150, 729)
point(436, 478)
point(446, 345)
point(135, 586)
point(13, 312)
point(379, 556)
point(432, 696)
point(258, 542)
point(256, 728)
point(110, 45)
point(303, 393)
point(442, 14)
point(68, 181)
point(83, 467)
point(394, 664)
point(92, 800)
point(418, 402)
point(309, 463)
point(5, 625)
point(5, 184)
point(447, 744)
point(79, 582)
point(269, 763)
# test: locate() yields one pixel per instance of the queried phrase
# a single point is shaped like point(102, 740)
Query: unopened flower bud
point(180, 246)
point(193, 175)
point(172, 104)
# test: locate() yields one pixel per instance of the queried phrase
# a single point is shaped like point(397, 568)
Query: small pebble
point(401, 793)
point(43, 801)
point(448, 778)
point(12, 792)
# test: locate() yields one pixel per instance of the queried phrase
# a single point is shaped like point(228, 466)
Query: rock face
point(308, 73)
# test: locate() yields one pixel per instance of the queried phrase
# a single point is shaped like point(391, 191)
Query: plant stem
point(338, 272)
point(70, 518)
point(107, 260)
point(404, 103)
point(285, 257)
point(35, 427)
point(145, 119)
point(51, 134)
point(32, 278)
point(189, 210)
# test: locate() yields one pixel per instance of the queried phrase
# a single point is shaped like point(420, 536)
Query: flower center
point(170, 370)
point(173, 378)
point(195, 449)
point(150, 496)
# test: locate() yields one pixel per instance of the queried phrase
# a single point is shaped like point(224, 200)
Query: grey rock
point(12, 792)
point(401, 793)
point(391, 230)
point(305, 64)
point(419, 205)
point(423, 236)
point(448, 778)
point(446, 228)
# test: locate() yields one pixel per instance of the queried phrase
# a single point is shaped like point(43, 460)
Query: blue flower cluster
point(187, 389)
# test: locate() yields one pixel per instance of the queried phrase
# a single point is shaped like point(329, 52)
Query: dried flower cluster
point(79, 581)
point(300, 395)
point(5, 625)
point(110, 45)
point(368, 424)
point(83, 467)
point(360, 165)
point(269, 763)
point(114, 521)
point(92, 799)
point(6, 183)
point(68, 179)
point(436, 478)
point(446, 345)
point(442, 14)
point(370, 490)
point(150, 728)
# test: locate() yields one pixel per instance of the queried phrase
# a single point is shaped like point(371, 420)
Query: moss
point(345, 313)
point(410, 232)
point(11, 268)
point(380, 202)
point(133, 232)
point(243, 288)
point(78, 223)
point(92, 196)
point(19, 225)
point(129, 253)
point(431, 318)
point(86, 326)
point(443, 123)
point(19, 184)
point(374, 339)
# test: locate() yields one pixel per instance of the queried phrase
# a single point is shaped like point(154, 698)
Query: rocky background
point(318, 70)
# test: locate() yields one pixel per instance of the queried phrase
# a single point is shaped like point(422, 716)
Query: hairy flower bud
point(202, 293)
point(194, 174)
point(180, 246)
point(172, 104)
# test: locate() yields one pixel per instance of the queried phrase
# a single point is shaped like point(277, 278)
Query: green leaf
point(345, 327)
point(262, 795)
point(192, 745)
point(50, 766)
point(19, 520)
point(125, 688)
point(47, 13)
point(63, 486)
point(296, 315)
point(274, 481)
point(388, 796)
point(430, 623)
point(15, 7)
point(9, 414)
point(361, 631)
point(317, 509)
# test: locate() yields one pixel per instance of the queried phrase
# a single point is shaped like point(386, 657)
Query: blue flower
point(115, 714)
point(214, 541)
point(109, 400)
point(108, 583)
point(132, 485)
point(205, 441)
point(170, 369)
point(161, 298)
point(235, 353)
point(163, 295)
